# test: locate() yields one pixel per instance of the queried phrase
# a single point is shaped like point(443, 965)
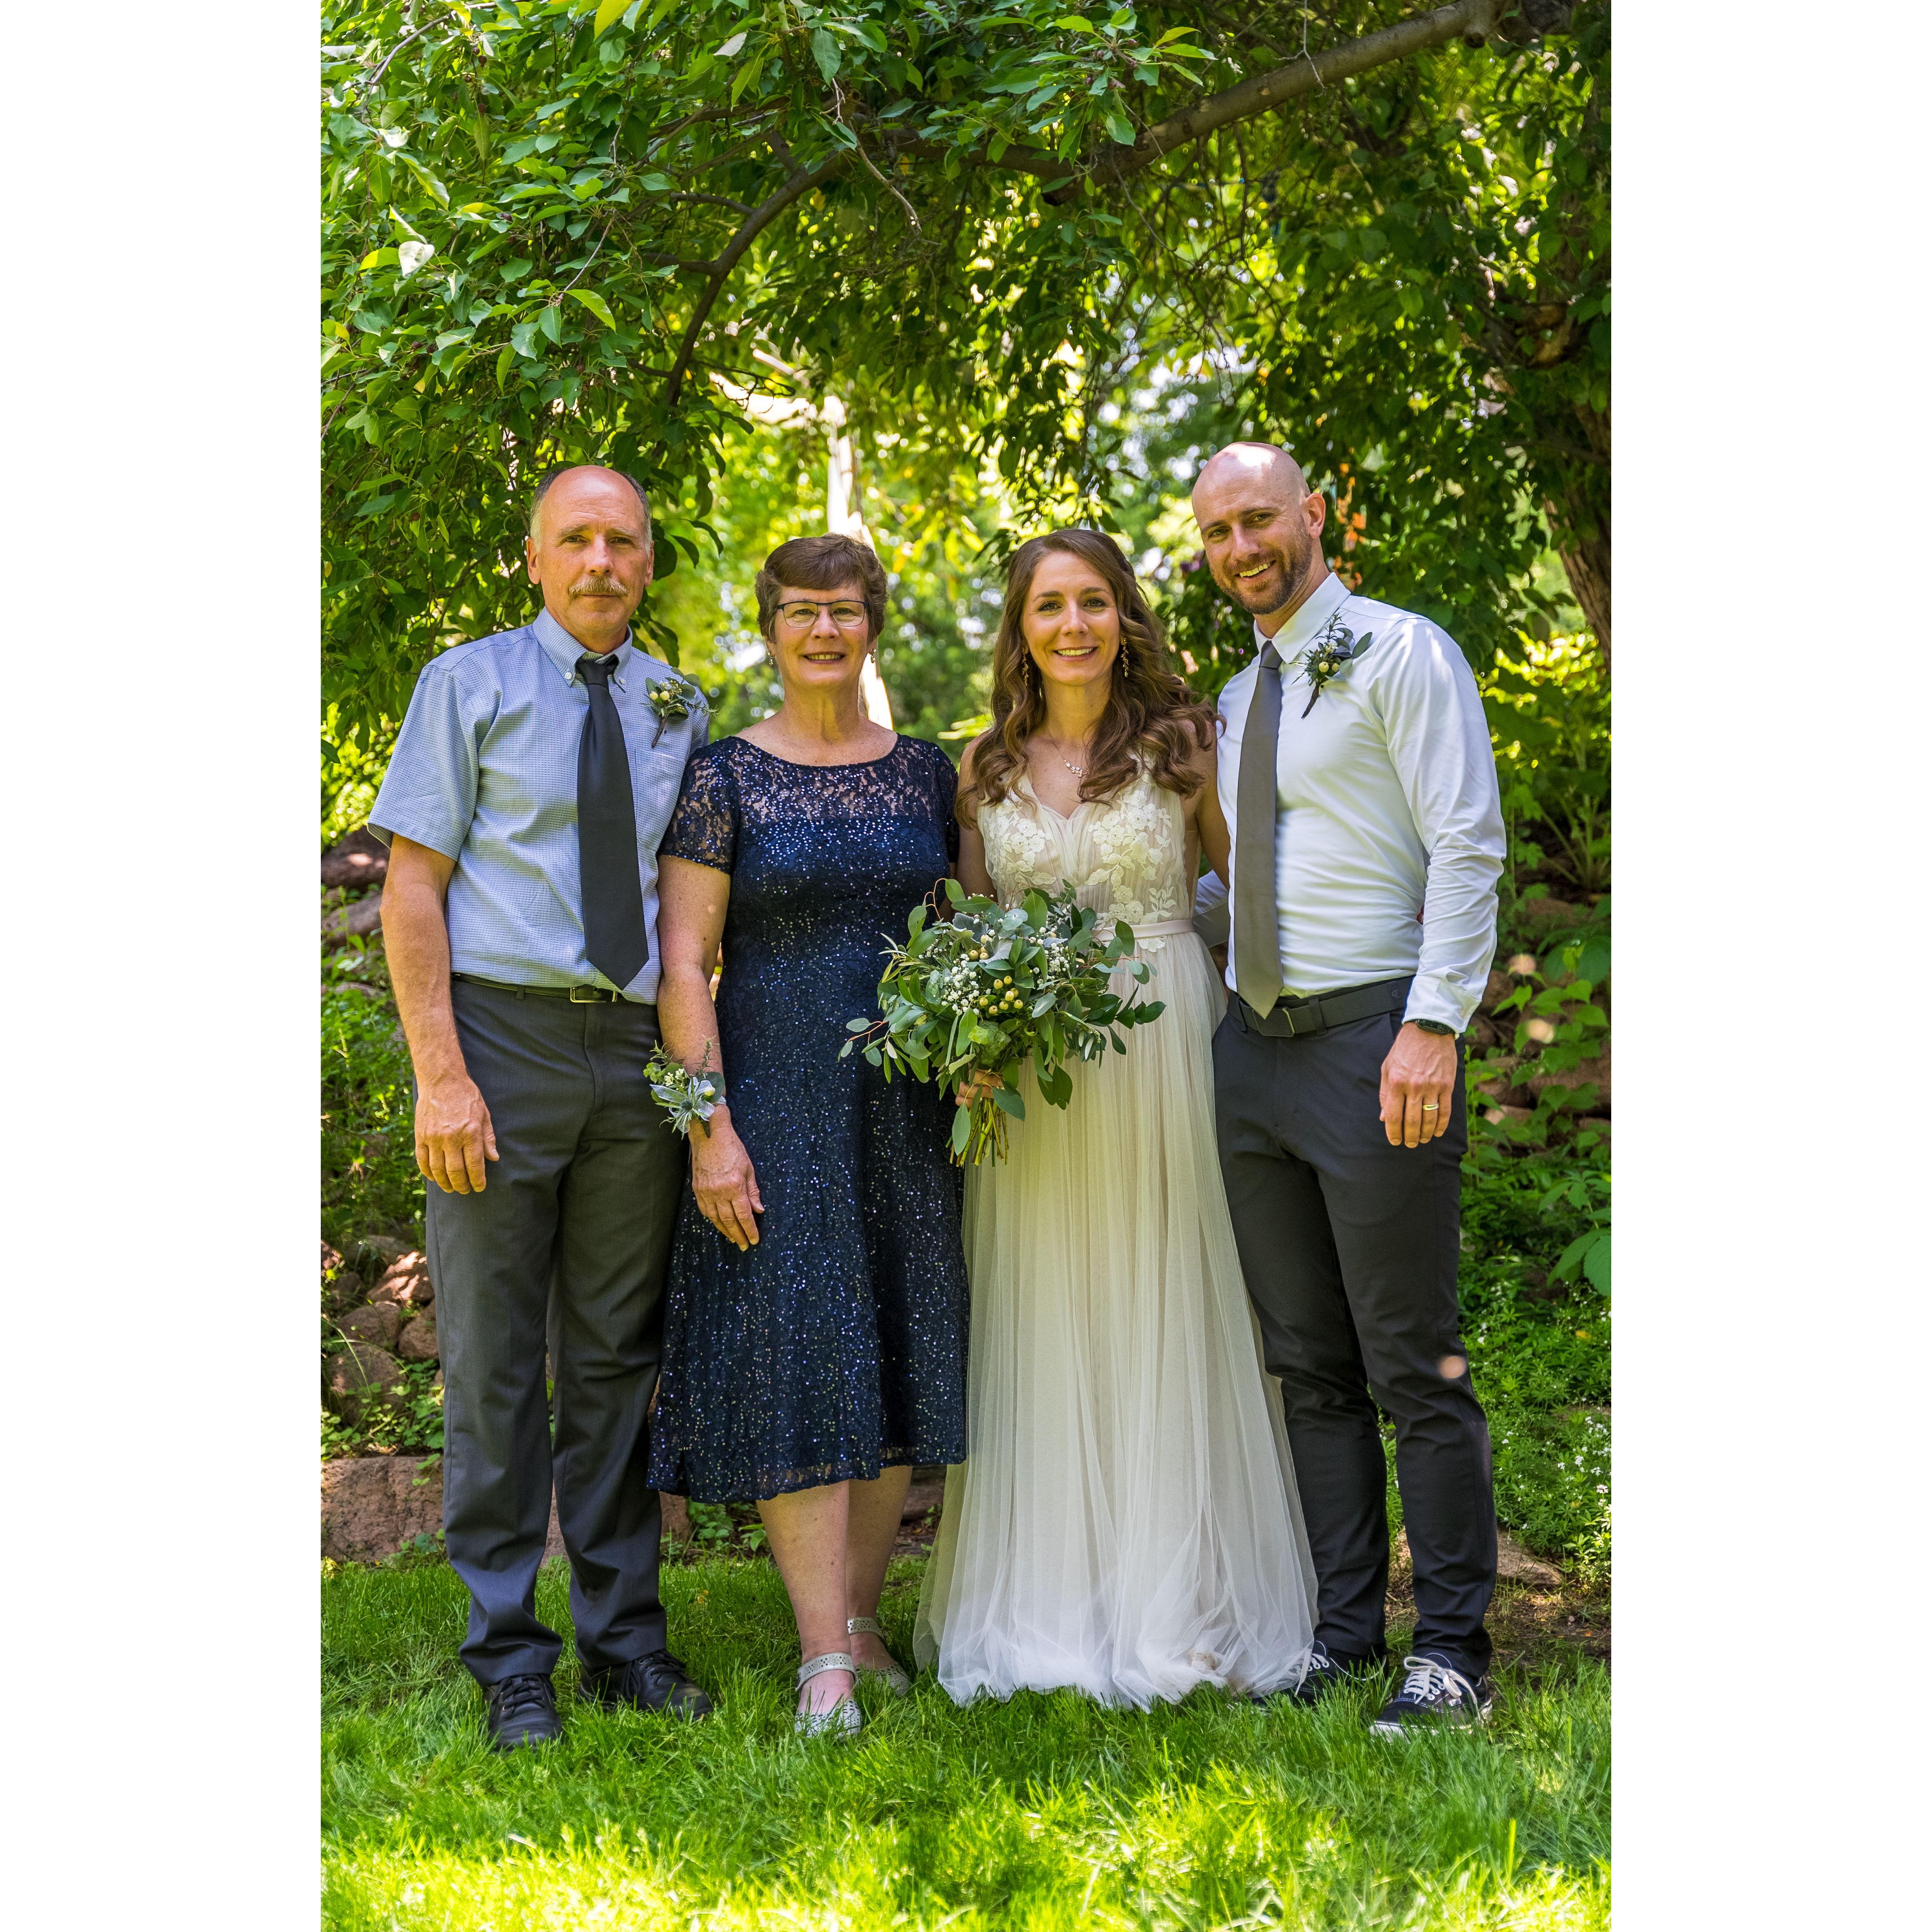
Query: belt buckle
point(1309, 1009)
point(587, 996)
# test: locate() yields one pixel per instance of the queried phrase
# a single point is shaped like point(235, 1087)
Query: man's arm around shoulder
point(454, 1137)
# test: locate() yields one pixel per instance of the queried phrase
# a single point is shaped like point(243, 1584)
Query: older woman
point(815, 1343)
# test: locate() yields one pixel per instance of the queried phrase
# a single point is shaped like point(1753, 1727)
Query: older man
point(1358, 782)
point(532, 779)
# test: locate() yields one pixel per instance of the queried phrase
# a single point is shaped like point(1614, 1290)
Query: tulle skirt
point(1126, 1522)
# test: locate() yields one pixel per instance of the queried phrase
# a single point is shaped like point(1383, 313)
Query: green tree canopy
point(1035, 246)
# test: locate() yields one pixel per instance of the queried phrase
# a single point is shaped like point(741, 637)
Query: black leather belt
point(577, 996)
point(1292, 1018)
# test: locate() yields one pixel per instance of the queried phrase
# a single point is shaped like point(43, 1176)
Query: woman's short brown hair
point(822, 563)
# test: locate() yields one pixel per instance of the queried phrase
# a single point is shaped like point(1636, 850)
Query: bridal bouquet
point(992, 987)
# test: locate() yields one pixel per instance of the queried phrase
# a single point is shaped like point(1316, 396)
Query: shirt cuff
point(1433, 997)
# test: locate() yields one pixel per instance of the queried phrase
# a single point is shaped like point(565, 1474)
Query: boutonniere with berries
point(1323, 660)
point(672, 697)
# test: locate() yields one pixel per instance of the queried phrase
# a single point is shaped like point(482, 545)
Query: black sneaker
point(1327, 1671)
point(521, 1711)
point(654, 1682)
point(1434, 1692)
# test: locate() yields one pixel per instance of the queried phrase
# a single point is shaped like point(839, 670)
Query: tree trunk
point(1587, 564)
point(1581, 524)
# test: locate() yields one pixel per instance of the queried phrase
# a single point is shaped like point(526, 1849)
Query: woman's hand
point(722, 1180)
point(981, 1086)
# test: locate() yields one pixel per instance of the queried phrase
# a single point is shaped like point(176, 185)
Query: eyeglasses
point(802, 615)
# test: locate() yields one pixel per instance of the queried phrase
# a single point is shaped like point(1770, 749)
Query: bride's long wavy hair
point(1152, 721)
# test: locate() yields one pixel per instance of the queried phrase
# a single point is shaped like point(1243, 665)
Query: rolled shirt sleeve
point(1438, 743)
point(429, 791)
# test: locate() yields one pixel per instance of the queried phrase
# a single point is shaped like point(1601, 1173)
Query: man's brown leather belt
point(578, 996)
point(1291, 1019)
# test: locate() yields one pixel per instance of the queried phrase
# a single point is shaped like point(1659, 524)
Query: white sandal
point(843, 1718)
point(896, 1680)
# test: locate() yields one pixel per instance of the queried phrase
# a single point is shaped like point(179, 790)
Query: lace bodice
point(1125, 855)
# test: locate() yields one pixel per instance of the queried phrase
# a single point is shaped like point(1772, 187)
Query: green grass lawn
point(1048, 1811)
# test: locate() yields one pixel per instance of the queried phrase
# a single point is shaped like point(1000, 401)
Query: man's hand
point(722, 1180)
point(454, 1135)
point(1418, 1085)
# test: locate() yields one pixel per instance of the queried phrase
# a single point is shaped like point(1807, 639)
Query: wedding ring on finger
point(1430, 1107)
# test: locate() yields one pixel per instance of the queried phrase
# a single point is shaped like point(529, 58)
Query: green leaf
point(962, 1128)
point(597, 305)
point(551, 321)
point(1072, 23)
point(825, 51)
point(1596, 1263)
point(608, 14)
point(1009, 1100)
point(1121, 129)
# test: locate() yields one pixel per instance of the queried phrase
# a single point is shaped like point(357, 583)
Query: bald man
point(1356, 776)
point(532, 779)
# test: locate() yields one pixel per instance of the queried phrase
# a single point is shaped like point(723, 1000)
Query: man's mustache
point(597, 586)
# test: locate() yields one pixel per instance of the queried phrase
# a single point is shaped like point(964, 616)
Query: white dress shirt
point(1388, 824)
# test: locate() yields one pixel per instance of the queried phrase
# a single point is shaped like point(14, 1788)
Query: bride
point(1126, 1522)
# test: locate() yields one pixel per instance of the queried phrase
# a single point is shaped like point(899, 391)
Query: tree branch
point(800, 183)
point(1474, 19)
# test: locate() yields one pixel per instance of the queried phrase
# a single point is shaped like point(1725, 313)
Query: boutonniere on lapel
point(1325, 659)
point(672, 698)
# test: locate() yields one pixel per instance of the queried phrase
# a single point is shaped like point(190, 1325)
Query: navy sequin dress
point(837, 1346)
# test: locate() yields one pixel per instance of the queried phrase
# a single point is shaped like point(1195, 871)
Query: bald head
point(1260, 527)
point(589, 546)
point(1264, 464)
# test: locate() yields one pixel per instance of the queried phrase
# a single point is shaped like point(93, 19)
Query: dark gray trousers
point(569, 1243)
point(1349, 1246)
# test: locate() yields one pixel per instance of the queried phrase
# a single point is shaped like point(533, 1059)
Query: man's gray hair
point(550, 476)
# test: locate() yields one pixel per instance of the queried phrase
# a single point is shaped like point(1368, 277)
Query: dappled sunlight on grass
point(1046, 1812)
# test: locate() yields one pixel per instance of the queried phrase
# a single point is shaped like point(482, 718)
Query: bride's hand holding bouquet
point(968, 1002)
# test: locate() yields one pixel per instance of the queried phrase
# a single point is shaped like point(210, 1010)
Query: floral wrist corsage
point(685, 1095)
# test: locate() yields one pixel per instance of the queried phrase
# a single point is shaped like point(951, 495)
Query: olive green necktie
point(1257, 926)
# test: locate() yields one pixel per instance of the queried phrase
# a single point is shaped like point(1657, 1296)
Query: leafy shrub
point(371, 1182)
point(413, 1426)
point(1549, 713)
point(1539, 1345)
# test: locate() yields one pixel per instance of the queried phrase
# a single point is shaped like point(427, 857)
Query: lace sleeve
point(945, 784)
point(704, 826)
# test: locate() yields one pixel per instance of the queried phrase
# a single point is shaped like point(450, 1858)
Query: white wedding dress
point(1126, 1522)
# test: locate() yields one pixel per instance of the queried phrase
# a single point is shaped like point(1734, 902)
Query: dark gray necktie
point(607, 835)
point(1257, 927)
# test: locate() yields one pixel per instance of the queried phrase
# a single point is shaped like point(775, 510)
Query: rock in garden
point(353, 922)
point(1515, 1565)
point(372, 1506)
point(359, 1376)
point(418, 1338)
point(1586, 1072)
point(406, 1281)
point(360, 859)
point(920, 1497)
point(1496, 1115)
point(384, 1249)
point(1552, 912)
point(377, 1323)
point(676, 1513)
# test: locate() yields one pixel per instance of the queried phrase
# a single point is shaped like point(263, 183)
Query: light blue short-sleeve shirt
point(484, 771)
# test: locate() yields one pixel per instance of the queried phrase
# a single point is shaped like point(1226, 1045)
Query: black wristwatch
point(1434, 1026)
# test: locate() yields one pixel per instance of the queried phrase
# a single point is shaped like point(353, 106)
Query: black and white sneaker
point(1327, 1671)
point(1434, 1692)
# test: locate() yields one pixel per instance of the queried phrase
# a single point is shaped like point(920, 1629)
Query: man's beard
point(1258, 597)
